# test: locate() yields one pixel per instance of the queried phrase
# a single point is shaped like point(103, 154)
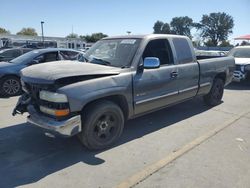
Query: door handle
point(174, 74)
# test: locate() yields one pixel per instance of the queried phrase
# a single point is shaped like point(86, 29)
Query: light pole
point(128, 32)
point(42, 22)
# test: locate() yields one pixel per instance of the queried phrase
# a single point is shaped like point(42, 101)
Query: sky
point(113, 17)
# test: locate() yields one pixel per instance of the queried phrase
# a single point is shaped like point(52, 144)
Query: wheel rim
point(11, 86)
point(105, 128)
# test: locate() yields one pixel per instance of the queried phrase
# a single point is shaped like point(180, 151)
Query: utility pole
point(42, 22)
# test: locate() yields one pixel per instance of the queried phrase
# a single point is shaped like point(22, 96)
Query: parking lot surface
point(212, 146)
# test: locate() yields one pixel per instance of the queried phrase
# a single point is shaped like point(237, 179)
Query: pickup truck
point(122, 78)
point(242, 62)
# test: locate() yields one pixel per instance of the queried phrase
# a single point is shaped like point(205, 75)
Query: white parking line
point(151, 169)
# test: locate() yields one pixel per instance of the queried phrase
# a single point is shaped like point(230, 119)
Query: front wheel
point(102, 125)
point(214, 97)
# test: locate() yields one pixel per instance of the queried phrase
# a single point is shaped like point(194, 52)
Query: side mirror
point(151, 63)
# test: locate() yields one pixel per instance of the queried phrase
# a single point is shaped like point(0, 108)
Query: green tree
point(27, 31)
point(225, 43)
point(209, 43)
point(161, 28)
point(72, 35)
point(94, 37)
point(182, 26)
point(4, 31)
point(216, 27)
point(165, 29)
point(157, 27)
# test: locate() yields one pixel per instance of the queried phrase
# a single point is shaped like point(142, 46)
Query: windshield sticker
point(128, 41)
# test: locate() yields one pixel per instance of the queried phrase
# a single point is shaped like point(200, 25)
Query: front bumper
point(65, 128)
point(239, 76)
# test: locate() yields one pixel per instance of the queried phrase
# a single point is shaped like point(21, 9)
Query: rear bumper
point(65, 128)
point(239, 76)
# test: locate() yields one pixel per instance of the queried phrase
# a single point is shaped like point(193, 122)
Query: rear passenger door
point(188, 68)
point(156, 88)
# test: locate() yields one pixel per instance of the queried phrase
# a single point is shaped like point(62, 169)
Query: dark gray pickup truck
point(123, 77)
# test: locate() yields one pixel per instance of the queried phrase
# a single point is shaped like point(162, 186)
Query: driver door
point(156, 88)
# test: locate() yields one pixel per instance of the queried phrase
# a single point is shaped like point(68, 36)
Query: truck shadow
point(26, 155)
point(244, 85)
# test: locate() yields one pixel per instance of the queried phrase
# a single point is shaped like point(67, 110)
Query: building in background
point(12, 41)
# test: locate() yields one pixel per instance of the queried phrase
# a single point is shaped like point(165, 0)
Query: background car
point(242, 62)
point(12, 53)
point(10, 84)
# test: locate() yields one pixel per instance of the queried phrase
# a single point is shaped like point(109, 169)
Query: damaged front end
point(47, 111)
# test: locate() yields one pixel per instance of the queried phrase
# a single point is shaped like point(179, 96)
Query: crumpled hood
point(242, 61)
point(52, 71)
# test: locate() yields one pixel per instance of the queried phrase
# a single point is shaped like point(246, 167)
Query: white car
point(242, 62)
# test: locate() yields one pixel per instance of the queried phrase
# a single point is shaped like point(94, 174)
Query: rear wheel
point(10, 86)
point(102, 125)
point(214, 97)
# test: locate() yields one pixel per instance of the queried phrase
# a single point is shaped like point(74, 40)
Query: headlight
point(53, 97)
point(247, 68)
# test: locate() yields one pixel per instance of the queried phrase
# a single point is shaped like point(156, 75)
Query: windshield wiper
point(101, 61)
point(125, 66)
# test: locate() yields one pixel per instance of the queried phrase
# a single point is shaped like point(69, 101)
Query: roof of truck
point(145, 36)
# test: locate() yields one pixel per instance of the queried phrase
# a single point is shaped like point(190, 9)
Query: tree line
point(214, 28)
point(88, 38)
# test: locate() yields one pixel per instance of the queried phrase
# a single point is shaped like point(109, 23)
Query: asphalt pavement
point(187, 145)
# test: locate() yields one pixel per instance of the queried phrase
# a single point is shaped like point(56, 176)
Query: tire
point(102, 125)
point(10, 86)
point(215, 95)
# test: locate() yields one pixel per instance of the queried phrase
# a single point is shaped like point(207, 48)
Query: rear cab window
point(183, 51)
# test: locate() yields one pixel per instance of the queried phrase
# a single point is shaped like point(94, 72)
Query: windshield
point(25, 58)
point(240, 52)
point(113, 52)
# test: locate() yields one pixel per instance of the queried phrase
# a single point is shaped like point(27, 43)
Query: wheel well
point(221, 76)
point(120, 100)
point(10, 75)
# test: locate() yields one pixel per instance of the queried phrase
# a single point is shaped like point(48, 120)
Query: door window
point(159, 48)
point(69, 55)
point(47, 57)
point(11, 53)
point(52, 56)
